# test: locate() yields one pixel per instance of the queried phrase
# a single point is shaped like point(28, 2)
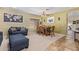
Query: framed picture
point(50, 20)
point(12, 18)
point(59, 18)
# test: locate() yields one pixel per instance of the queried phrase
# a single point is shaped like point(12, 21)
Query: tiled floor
point(41, 42)
point(46, 43)
point(36, 42)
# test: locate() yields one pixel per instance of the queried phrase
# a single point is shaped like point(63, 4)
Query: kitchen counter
point(75, 34)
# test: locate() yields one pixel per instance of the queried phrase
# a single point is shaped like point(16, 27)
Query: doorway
point(73, 25)
point(33, 24)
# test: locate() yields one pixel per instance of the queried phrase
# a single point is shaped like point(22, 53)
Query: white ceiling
point(39, 10)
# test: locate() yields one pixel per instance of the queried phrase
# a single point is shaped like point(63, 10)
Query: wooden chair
point(47, 32)
point(52, 31)
point(37, 28)
point(40, 29)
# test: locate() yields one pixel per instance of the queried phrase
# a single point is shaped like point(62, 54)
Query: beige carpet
point(36, 42)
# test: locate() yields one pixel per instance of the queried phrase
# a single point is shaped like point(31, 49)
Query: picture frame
point(50, 20)
point(12, 18)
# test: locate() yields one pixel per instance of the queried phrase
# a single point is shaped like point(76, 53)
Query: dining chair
point(52, 33)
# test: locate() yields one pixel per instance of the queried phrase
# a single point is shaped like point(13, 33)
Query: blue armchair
point(17, 39)
point(18, 30)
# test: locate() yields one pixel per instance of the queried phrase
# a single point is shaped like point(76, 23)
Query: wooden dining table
point(43, 29)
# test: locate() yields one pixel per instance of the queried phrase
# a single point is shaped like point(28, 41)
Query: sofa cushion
point(17, 30)
point(17, 39)
point(13, 29)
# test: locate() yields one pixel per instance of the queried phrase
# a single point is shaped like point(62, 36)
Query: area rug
point(64, 44)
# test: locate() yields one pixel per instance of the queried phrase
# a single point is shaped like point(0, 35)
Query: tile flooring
point(46, 43)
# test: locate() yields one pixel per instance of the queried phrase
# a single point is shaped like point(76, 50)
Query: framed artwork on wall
point(50, 20)
point(12, 18)
point(59, 18)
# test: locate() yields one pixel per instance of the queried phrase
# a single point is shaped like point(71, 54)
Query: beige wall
point(60, 25)
point(4, 26)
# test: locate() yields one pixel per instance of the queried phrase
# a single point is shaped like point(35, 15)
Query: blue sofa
point(17, 40)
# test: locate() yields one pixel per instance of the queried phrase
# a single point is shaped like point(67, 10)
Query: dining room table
point(46, 30)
